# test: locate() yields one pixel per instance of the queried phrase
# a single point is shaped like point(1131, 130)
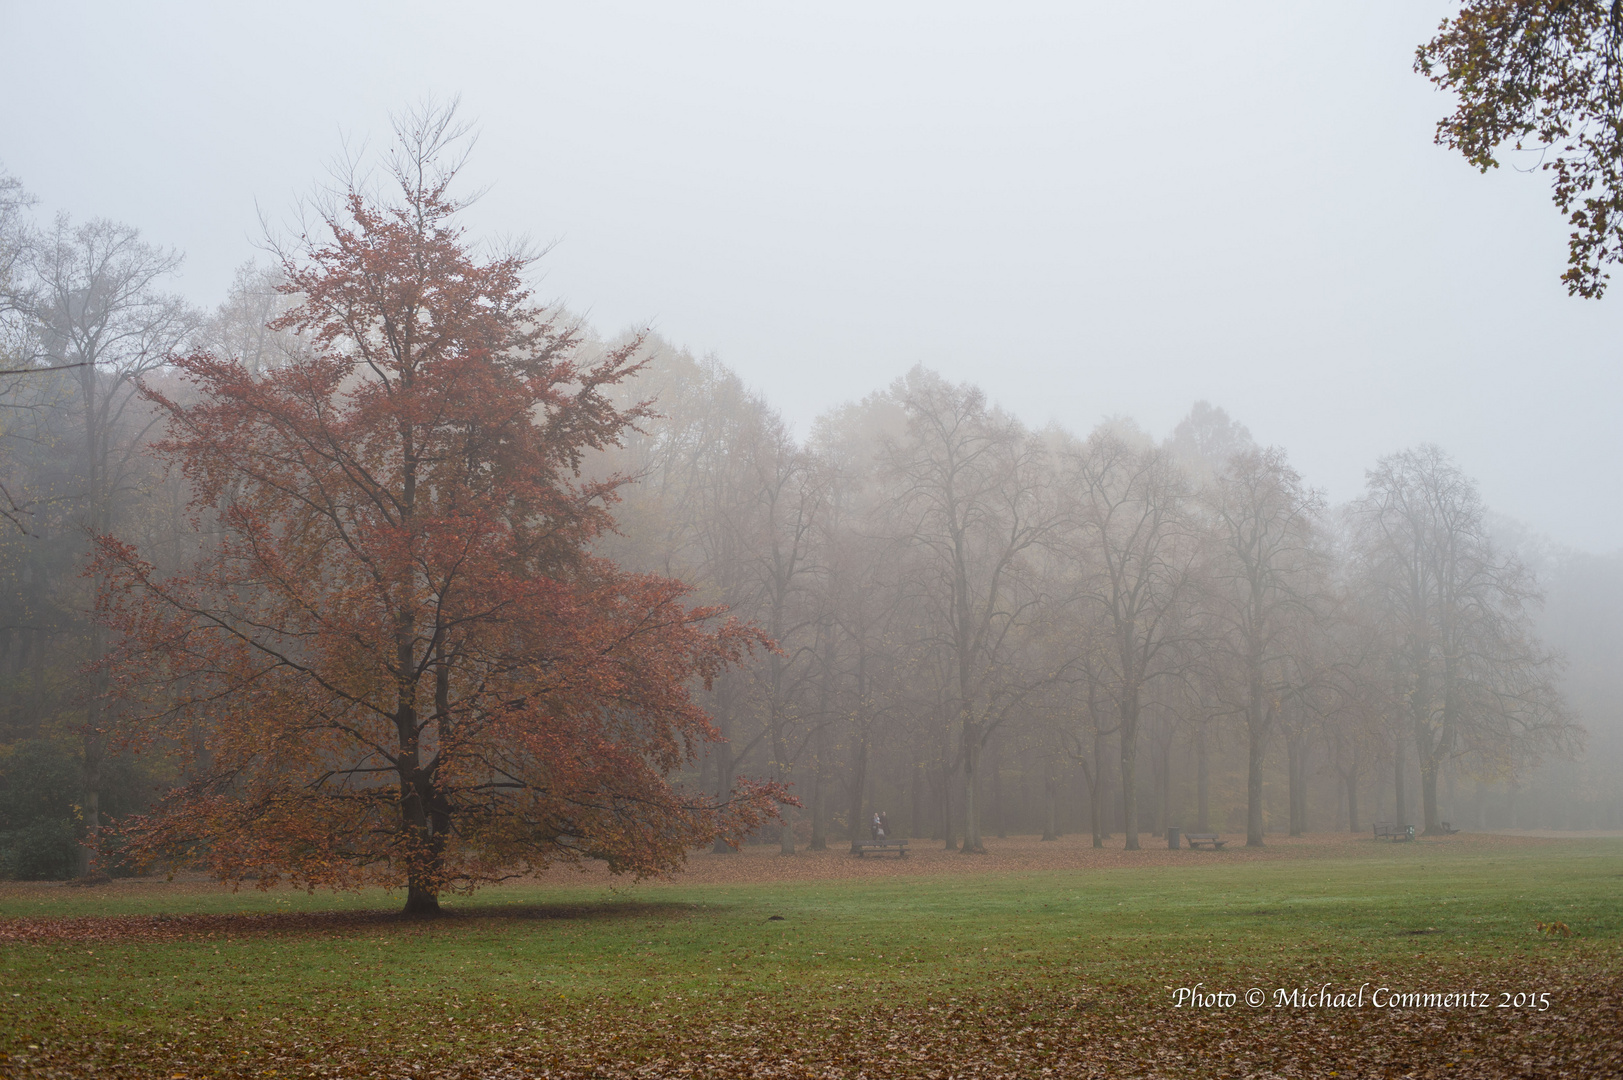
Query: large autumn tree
point(398, 661)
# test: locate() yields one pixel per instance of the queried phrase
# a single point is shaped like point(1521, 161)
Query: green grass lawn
point(550, 968)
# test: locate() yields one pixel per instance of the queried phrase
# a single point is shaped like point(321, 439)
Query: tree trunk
point(724, 785)
point(421, 901)
point(1023, 813)
point(422, 846)
point(824, 753)
point(1428, 795)
point(1352, 795)
point(1450, 784)
point(96, 523)
point(707, 763)
point(1256, 748)
point(1158, 825)
point(819, 810)
point(1420, 704)
point(1301, 787)
point(1203, 784)
point(936, 818)
point(997, 794)
point(1399, 799)
point(972, 808)
point(1163, 787)
point(1096, 783)
point(1050, 801)
point(859, 785)
point(915, 824)
point(1294, 769)
point(786, 835)
point(1129, 780)
point(95, 746)
point(420, 850)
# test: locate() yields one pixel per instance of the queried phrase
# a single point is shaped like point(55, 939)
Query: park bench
point(1202, 839)
point(1387, 830)
point(896, 844)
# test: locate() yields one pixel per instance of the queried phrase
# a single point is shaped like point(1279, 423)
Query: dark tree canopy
point(1544, 75)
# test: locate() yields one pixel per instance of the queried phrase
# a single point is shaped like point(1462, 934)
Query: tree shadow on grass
point(596, 911)
point(203, 926)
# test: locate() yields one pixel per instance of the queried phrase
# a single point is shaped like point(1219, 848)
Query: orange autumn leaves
point(394, 659)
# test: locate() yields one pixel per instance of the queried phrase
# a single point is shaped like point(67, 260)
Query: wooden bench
point(897, 844)
point(1389, 830)
point(1202, 839)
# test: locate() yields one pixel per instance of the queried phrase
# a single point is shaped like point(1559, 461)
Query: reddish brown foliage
point(400, 663)
point(1545, 76)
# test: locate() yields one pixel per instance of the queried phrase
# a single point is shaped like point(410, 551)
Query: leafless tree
point(1475, 678)
point(789, 494)
point(240, 328)
point(1131, 533)
point(92, 293)
point(972, 505)
point(14, 330)
point(1264, 572)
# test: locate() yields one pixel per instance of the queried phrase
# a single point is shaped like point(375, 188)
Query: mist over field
point(826, 197)
point(851, 249)
point(798, 541)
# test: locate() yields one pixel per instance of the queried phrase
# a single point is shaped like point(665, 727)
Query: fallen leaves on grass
point(152, 928)
point(869, 1029)
point(1107, 1031)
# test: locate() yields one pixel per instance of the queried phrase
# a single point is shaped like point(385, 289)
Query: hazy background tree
point(241, 327)
point(93, 294)
point(1475, 678)
point(971, 503)
point(1264, 574)
point(1579, 619)
point(790, 499)
point(14, 330)
point(1132, 537)
point(14, 201)
point(870, 643)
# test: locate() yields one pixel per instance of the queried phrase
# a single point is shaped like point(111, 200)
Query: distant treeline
point(986, 628)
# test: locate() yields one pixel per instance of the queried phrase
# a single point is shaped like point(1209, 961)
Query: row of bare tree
point(947, 584)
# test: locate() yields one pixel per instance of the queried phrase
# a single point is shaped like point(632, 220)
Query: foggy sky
point(1088, 209)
